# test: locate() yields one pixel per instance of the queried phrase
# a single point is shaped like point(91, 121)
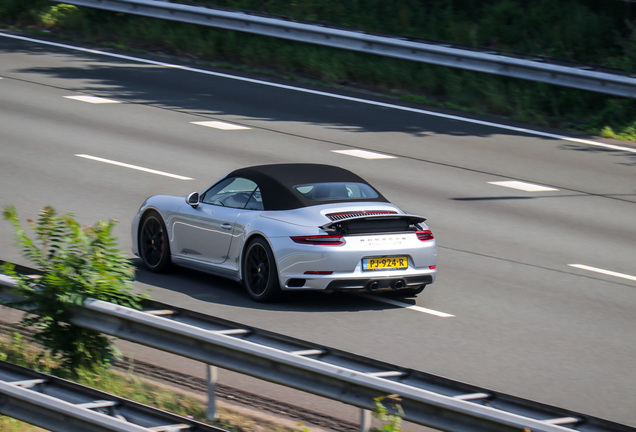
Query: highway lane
point(525, 322)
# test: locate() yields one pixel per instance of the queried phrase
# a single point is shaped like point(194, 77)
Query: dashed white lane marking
point(528, 187)
point(605, 272)
point(135, 167)
point(220, 125)
point(92, 99)
point(408, 306)
point(364, 154)
point(331, 95)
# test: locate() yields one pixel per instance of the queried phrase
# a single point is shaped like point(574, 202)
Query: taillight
point(327, 240)
point(424, 235)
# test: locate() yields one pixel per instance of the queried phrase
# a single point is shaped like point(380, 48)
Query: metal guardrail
point(428, 400)
point(60, 405)
point(443, 55)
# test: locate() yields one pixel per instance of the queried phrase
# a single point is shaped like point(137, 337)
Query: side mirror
point(193, 199)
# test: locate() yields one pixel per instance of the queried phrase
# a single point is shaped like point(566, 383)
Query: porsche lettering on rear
point(383, 241)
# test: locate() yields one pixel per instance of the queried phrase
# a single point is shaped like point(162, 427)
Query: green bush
point(389, 411)
point(17, 11)
point(76, 262)
point(62, 15)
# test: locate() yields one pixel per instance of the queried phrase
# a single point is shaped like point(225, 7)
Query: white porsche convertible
point(284, 227)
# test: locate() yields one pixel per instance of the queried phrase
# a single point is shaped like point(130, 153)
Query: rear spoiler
point(341, 224)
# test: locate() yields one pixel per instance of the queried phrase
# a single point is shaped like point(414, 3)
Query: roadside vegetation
point(77, 262)
point(21, 350)
point(585, 31)
point(15, 349)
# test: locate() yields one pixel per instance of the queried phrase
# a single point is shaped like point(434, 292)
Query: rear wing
point(380, 223)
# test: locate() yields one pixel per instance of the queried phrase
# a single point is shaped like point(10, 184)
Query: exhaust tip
point(399, 284)
point(372, 286)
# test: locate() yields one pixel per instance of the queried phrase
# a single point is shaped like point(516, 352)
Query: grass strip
point(124, 381)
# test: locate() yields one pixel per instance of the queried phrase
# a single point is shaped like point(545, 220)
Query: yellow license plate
point(385, 263)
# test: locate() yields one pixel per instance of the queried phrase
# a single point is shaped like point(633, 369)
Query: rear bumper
point(380, 284)
point(370, 282)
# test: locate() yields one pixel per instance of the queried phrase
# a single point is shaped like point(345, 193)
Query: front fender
point(165, 205)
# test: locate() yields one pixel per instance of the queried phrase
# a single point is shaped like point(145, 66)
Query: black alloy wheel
point(260, 276)
point(154, 248)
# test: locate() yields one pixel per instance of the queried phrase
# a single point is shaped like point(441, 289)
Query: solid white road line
point(605, 272)
point(364, 154)
point(336, 96)
point(92, 99)
point(528, 187)
point(408, 306)
point(220, 125)
point(135, 167)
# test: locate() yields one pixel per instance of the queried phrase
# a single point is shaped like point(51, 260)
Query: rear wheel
point(260, 276)
point(154, 248)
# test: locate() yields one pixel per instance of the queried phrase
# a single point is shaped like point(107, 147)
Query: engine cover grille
point(347, 215)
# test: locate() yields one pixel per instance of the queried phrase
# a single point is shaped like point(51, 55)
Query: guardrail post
point(212, 377)
point(365, 420)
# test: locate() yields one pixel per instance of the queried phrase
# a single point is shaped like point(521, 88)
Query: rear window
point(336, 191)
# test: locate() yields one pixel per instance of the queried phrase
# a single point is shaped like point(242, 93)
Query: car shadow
point(217, 290)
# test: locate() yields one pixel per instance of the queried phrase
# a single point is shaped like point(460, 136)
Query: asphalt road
point(536, 289)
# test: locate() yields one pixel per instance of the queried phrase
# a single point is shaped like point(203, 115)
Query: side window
point(236, 192)
point(256, 201)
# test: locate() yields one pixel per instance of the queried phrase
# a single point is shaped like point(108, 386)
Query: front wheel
point(260, 276)
point(154, 248)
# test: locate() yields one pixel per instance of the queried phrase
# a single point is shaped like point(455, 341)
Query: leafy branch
point(76, 263)
point(391, 414)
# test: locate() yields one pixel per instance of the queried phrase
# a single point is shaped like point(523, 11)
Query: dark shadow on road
point(629, 156)
point(622, 197)
point(211, 94)
point(217, 290)
point(493, 198)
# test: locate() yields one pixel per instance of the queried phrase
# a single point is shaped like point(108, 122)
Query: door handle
point(226, 226)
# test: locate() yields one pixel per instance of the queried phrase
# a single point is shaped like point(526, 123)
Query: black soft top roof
point(277, 182)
